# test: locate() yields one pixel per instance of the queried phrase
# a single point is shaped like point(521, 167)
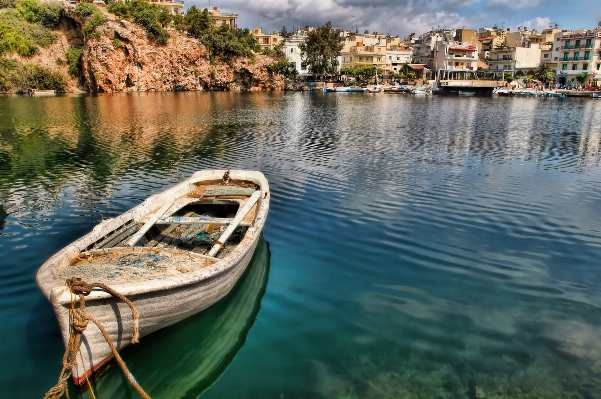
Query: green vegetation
point(362, 74)
point(321, 50)
point(92, 18)
point(18, 77)
point(26, 25)
point(151, 16)
point(221, 42)
point(117, 43)
point(581, 77)
point(45, 13)
point(8, 3)
point(283, 67)
point(74, 61)
point(545, 74)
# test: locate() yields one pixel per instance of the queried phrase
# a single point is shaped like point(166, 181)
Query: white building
point(396, 58)
point(293, 53)
point(577, 52)
point(455, 56)
point(517, 60)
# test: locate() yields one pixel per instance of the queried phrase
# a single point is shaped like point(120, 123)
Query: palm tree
point(545, 74)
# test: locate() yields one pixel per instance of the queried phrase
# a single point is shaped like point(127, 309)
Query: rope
point(79, 320)
point(226, 180)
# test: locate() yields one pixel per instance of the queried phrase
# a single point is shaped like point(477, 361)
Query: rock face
point(122, 59)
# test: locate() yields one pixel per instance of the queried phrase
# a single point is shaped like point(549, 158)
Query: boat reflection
point(183, 360)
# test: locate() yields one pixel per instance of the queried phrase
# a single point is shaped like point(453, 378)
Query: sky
point(402, 17)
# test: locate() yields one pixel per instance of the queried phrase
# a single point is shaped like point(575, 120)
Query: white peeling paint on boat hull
point(160, 302)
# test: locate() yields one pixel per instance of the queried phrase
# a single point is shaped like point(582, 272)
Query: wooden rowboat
point(172, 256)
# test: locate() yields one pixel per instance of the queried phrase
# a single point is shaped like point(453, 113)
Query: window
point(545, 55)
point(565, 56)
point(589, 43)
point(577, 44)
point(587, 55)
point(576, 55)
point(567, 44)
point(574, 67)
point(265, 40)
point(456, 64)
point(584, 67)
point(303, 66)
point(292, 50)
point(293, 65)
point(275, 39)
point(564, 67)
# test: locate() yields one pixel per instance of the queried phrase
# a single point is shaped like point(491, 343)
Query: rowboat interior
point(178, 242)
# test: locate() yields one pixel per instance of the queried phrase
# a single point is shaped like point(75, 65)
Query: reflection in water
point(196, 351)
point(421, 247)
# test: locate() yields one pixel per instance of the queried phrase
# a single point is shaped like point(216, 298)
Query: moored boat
point(343, 89)
point(596, 95)
point(172, 256)
point(374, 89)
point(357, 89)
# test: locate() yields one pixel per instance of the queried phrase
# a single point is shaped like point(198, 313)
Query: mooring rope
point(79, 319)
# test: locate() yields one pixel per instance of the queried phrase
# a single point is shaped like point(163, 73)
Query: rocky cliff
point(120, 58)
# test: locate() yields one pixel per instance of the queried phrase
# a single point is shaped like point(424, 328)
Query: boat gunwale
point(60, 295)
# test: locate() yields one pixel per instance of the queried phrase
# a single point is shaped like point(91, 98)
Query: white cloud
point(538, 23)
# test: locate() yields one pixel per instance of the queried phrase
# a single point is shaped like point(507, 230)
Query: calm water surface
point(416, 247)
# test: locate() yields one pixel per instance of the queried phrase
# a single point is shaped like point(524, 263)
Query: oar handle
point(232, 226)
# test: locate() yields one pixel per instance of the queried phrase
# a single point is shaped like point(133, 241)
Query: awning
point(418, 66)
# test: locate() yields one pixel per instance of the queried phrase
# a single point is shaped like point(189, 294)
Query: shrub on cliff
point(21, 37)
point(17, 77)
point(74, 61)
point(151, 16)
point(91, 16)
point(8, 3)
point(283, 67)
point(47, 13)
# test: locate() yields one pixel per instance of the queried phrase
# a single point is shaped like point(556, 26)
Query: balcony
point(463, 57)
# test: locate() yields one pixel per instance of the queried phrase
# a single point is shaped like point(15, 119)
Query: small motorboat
point(343, 89)
point(172, 256)
point(357, 89)
point(596, 95)
point(329, 90)
point(374, 89)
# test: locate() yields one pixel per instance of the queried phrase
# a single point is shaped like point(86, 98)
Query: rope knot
point(79, 319)
point(78, 286)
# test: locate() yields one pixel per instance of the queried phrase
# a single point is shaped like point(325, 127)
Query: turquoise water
point(416, 247)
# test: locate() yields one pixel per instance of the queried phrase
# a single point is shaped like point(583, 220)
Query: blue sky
point(401, 17)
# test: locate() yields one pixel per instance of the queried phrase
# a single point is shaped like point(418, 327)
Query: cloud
point(538, 23)
point(401, 17)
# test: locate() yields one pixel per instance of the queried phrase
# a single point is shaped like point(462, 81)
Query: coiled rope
point(78, 320)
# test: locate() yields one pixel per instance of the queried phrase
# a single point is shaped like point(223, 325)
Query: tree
point(321, 49)
point(285, 34)
point(581, 77)
point(545, 74)
point(198, 23)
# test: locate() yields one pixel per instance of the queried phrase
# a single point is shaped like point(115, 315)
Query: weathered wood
point(120, 237)
point(235, 223)
point(199, 219)
point(151, 221)
point(211, 191)
point(165, 233)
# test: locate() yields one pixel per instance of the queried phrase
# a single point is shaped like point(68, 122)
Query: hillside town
point(572, 55)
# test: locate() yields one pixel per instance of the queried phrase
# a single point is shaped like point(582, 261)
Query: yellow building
point(266, 40)
point(220, 18)
point(364, 56)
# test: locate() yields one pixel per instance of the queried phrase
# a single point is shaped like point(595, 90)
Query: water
point(416, 247)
